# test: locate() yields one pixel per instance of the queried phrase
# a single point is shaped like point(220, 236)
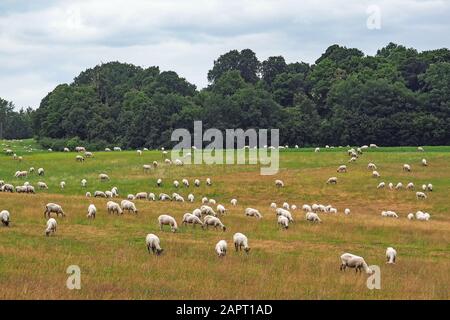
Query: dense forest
point(398, 97)
point(13, 124)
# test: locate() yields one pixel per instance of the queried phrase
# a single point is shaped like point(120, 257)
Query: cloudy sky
point(47, 42)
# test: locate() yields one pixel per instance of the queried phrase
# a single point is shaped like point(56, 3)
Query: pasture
point(299, 263)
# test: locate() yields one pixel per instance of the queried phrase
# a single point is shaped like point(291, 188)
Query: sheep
point(399, 186)
point(212, 201)
point(422, 216)
point(347, 211)
point(214, 221)
point(315, 207)
point(208, 182)
point(332, 210)
point(197, 212)
point(141, 195)
point(113, 207)
point(92, 211)
point(197, 182)
point(420, 149)
point(251, 212)
point(221, 248)
point(273, 205)
point(293, 207)
point(153, 244)
point(381, 185)
point(66, 150)
point(389, 214)
point(410, 216)
point(42, 185)
point(79, 158)
point(21, 174)
point(190, 197)
point(5, 217)
point(283, 222)
point(80, 149)
point(317, 149)
point(240, 240)
point(279, 183)
point(391, 255)
point(371, 166)
point(375, 174)
point(306, 208)
point(424, 187)
point(391, 186)
point(131, 197)
point(62, 184)
point(373, 145)
point(147, 167)
point(41, 172)
point(107, 150)
point(421, 195)
point(284, 212)
point(53, 207)
point(204, 200)
point(88, 194)
point(406, 167)
point(332, 180)
point(352, 159)
point(185, 182)
point(8, 188)
point(117, 149)
point(410, 186)
point(177, 197)
point(286, 206)
point(99, 194)
point(31, 170)
point(221, 209)
point(88, 154)
point(176, 184)
point(207, 210)
point(342, 169)
point(424, 162)
point(155, 164)
point(159, 182)
point(51, 226)
point(178, 162)
point(84, 183)
point(139, 152)
point(165, 219)
point(115, 191)
point(164, 197)
point(103, 177)
point(21, 189)
point(191, 219)
point(313, 217)
point(430, 187)
point(352, 261)
point(128, 206)
point(151, 196)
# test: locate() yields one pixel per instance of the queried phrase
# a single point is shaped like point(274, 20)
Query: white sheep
point(141, 195)
point(391, 186)
point(99, 194)
point(352, 159)
point(197, 212)
point(139, 152)
point(307, 208)
point(421, 195)
point(166, 220)
point(84, 183)
point(317, 149)
point(286, 206)
point(204, 200)
point(41, 172)
point(51, 226)
point(207, 210)
point(371, 166)
point(240, 241)
point(159, 182)
point(423, 216)
point(176, 184)
point(313, 217)
point(221, 248)
point(214, 221)
point(127, 205)
point(233, 202)
point(197, 183)
point(332, 180)
point(293, 207)
point(153, 244)
point(279, 183)
point(410, 216)
point(164, 197)
point(5, 217)
point(146, 167)
point(424, 162)
point(375, 174)
point(177, 197)
point(399, 186)
point(221, 209)
point(406, 167)
point(42, 185)
point(389, 214)
point(212, 201)
point(391, 255)
point(332, 210)
point(410, 186)
point(381, 185)
point(283, 222)
point(115, 191)
point(92, 211)
point(131, 197)
point(353, 261)
point(88, 194)
point(190, 197)
point(251, 212)
point(347, 211)
point(191, 219)
point(79, 158)
point(430, 187)
point(420, 149)
point(151, 196)
point(185, 182)
point(113, 207)
point(103, 177)
point(273, 205)
point(208, 182)
point(342, 169)
point(284, 212)
point(62, 184)
point(55, 208)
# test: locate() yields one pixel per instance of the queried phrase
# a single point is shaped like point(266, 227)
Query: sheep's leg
point(236, 247)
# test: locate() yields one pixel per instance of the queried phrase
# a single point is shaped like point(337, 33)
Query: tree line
point(14, 124)
point(399, 96)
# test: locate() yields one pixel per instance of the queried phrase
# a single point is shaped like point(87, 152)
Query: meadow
point(299, 263)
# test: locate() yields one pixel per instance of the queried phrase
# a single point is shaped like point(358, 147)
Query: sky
point(44, 43)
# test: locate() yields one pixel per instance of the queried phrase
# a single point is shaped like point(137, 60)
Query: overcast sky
point(47, 42)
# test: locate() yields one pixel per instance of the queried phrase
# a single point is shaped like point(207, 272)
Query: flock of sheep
point(206, 216)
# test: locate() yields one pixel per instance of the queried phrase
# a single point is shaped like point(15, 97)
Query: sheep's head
point(224, 228)
point(247, 250)
point(159, 251)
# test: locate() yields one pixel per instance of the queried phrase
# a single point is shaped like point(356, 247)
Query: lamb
point(250, 212)
point(424, 162)
point(352, 261)
point(55, 208)
point(92, 211)
point(284, 212)
point(381, 185)
point(391, 255)
point(5, 217)
point(214, 221)
point(406, 167)
point(191, 219)
point(165, 219)
point(113, 207)
point(84, 183)
point(141, 195)
point(128, 206)
point(347, 211)
point(313, 217)
point(208, 182)
point(240, 240)
point(279, 183)
point(41, 172)
point(421, 195)
point(197, 183)
point(103, 177)
point(375, 174)
point(221, 248)
point(342, 169)
point(153, 244)
point(332, 180)
point(207, 210)
point(99, 194)
point(390, 214)
point(190, 197)
point(51, 226)
point(185, 182)
point(283, 222)
point(42, 185)
point(410, 186)
point(233, 202)
point(221, 209)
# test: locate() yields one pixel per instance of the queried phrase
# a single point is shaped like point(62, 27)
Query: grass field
point(300, 263)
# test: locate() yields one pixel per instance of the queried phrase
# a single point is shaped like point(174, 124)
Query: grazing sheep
point(410, 216)
point(332, 210)
point(371, 166)
point(55, 208)
point(286, 206)
point(178, 162)
point(177, 197)
point(66, 150)
point(240, 240)
point(373, 145)
point(279, 183)
point(155, 164)
point(251, 212)
point(207, 210)
point(293, 207)
point(221, 248)
point(176, 184)
point(233, 202)
point(352, 159)
point(84, 183)
point(131, 197)
point(283, 222)
point(127, 205)
point(21, 174)
point(273, 205)
point(190, 197)
point(113, 207)
point(141, 195)
point(410, 186)
point(391, 255)
point(406, 167)
point(117, 149)
point(51, 226)
point(352, 261)
point(284, 212)
point(92, 211)
point(41, 172)
point(375, 174)
point(31, 170)
point(208, 182)
point(107, 149)
point(79, 158)
point(381, 185)
point(42, 185)
point(332, 180)
point(347, 211)
point(80, 149)
point(139, 152)
point(313, 217)
point(424, 187)
point(197, 183)
point(389, 214)
point(62, 184)
point(399, 186)
point(191, 219)
point(88, 194)
point(306, 208)
point(430, 187)
point(147, 167)
point(185, 182)
point(159, 182)
point(88, 154)
point(420, 149)
point(115, 191)
point(197, 212)
point(5, 217)
point(422, 216)
point(221, 209)
point(212, 201)
point(204, 200)
point(391, 186)
point(152, 196)
point(424, 162)
point(166, 220)
point(342, 169)
point(421, 195)
point(103, 177)
point(153, 244)
point(317, 149)
point(99, 194)
point(214, 221)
